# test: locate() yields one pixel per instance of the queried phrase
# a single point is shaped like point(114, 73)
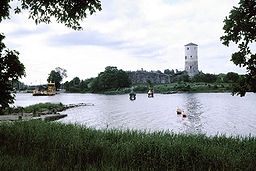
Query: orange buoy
point(179, 111)
point(184, 115)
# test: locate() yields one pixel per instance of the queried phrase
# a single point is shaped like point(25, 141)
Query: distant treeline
point(115, 80)
point(111, 79)
point(230, 77)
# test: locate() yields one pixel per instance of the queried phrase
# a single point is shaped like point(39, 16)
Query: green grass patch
point(40, 107)
point(38, 145)
point(36, 108)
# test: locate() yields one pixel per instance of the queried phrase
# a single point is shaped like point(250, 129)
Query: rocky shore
point(47, 115)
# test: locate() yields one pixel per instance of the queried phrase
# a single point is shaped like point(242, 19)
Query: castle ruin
point(191, 68)
point(191, 59)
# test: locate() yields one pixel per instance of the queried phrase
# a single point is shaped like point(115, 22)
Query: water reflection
point(207, 113)
point(194, 109)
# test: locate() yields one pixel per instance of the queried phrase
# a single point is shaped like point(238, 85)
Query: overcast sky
point(129, 34)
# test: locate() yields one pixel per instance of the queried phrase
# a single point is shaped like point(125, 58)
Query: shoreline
point(46, 115)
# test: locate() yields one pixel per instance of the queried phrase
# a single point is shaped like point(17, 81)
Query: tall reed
point(36, 145)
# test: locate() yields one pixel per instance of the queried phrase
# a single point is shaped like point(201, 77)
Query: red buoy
point(184, 115)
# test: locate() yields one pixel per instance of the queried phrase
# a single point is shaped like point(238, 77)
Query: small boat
point(51, 90)
point(179, 111)
point(150, 93)
point(132, 95)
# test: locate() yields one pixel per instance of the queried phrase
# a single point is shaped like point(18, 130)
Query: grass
point(193, 87)
point(187, 87)
point(36, 108)
point(38, 145)
point(40, 107)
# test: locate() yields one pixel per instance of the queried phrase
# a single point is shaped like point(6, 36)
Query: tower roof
point(191, 44)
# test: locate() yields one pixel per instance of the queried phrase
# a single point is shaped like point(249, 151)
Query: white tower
point(191, 59)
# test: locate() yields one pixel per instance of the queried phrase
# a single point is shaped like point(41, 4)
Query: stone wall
point(143, 76)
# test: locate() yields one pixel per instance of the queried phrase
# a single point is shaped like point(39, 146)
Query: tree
point(184, 78)
point(111, 78)
point(70, 13)
point(231, 77)
point(240, 28)
point(62, 72)
point(55, 77)
point(11, 69)
point(207, 78)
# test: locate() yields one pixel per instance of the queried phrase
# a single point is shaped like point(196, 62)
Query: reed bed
point(39, 145)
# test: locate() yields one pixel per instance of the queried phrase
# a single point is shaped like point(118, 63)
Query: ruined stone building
point(191, 68)
point(143, 76)
point(191, 59)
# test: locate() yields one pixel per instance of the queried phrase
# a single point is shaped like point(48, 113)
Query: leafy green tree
point(111, 78)
point(207, 78)
point(240, 28)
point(55, 77)
point(62, 72)
point(220, 78)
point(184, 78)
point(75, 82)
point(231, 77)
point(11, 69)
point(70, 13)
point(74, 85)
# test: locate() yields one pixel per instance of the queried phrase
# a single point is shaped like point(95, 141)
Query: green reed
point(38, 145)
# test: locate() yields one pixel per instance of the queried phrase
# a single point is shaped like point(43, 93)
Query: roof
point(191, 44)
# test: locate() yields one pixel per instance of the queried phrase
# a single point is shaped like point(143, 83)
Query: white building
point(191, 59)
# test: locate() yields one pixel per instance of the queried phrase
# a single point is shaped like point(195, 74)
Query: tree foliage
point(240, 28)
point(207, 78)
point(70, 12)
point(77, 86)
point(11, 69)
point(111, 78)
point(231, 77)
point(56, 76)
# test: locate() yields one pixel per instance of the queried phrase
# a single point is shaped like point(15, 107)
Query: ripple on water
point(208, 113)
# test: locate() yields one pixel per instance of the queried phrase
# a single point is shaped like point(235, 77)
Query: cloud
point(127, 34)
point(86, 38)
point(28, 32)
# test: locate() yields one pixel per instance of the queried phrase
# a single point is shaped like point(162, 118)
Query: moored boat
point(51, 90)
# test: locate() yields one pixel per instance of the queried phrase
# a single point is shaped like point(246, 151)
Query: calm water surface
point(208, 113)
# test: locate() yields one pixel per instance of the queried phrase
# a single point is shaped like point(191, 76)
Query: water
point(208, 113)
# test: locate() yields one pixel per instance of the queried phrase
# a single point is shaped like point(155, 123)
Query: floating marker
point(179, 111)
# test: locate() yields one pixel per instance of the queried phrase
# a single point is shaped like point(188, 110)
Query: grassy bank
point(38, 145)
point(197, 87)
point(36, 108)
point(186, 87)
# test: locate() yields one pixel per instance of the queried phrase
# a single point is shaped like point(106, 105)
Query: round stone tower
point(191, 59)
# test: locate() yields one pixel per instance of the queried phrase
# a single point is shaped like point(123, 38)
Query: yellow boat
point(51, 90)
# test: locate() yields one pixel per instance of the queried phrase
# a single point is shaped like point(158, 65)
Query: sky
point(127, 34)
